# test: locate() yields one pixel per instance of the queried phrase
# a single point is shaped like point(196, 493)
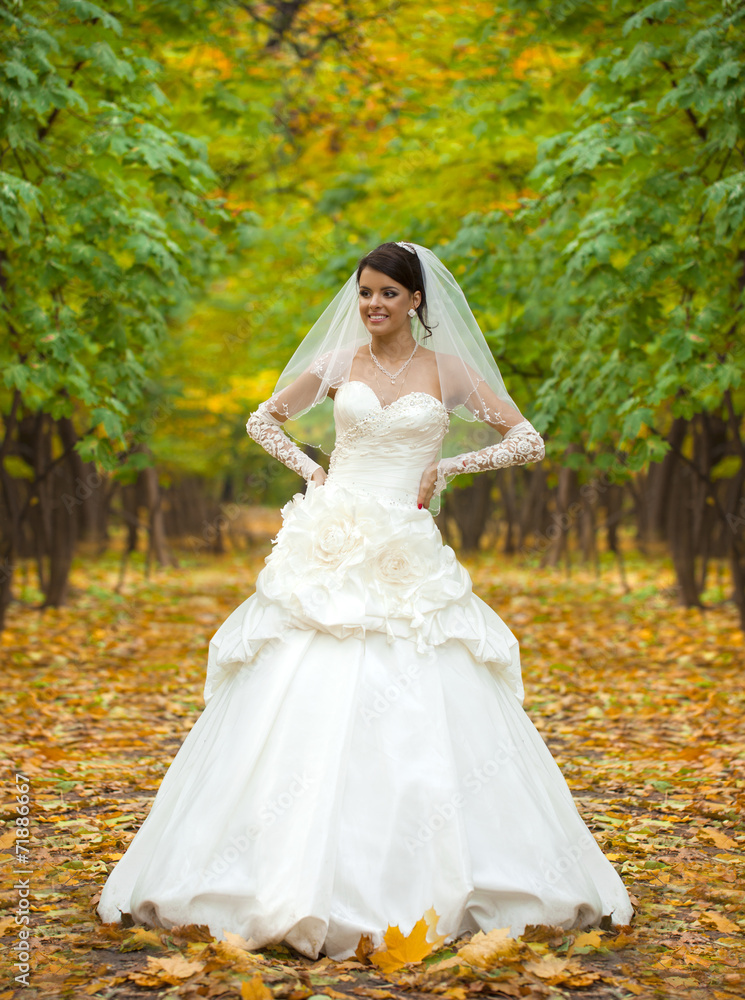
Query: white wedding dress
point(364, 754)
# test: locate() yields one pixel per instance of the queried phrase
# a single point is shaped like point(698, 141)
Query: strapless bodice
point(383, 450)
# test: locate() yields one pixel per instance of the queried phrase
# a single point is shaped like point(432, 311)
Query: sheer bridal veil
point(471, 385)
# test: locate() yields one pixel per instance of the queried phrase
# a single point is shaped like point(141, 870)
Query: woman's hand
point(318, 477)
point(427, 485)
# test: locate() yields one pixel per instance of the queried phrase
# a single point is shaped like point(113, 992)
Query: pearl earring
point(412, 312)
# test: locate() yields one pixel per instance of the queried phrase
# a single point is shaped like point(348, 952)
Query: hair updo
point(404, 267)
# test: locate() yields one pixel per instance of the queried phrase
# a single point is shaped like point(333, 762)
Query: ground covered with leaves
point(640, 701)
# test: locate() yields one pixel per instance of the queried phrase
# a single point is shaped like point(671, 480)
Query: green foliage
point(627, 266)
point(109, 225)
point(578, 168)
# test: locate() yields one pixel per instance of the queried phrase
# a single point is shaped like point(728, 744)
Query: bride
point(363, 754)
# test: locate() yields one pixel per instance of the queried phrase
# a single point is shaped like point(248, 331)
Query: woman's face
point(384, 304)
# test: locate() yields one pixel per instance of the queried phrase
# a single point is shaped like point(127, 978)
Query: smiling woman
point(363, 756)
point(387, 307)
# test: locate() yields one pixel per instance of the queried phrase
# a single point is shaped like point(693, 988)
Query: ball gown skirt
point(363, 754)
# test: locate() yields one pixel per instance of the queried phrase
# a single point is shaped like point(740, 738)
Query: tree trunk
point(509, 498)
point(639, 488)
point(680, 535)
point(128, 514)
point(661, 477)
point(588, 536)
point(157, 538)
point(614, 514)
point(533, 513)
point(567, 495)
point(470, 507)
point(63, 518)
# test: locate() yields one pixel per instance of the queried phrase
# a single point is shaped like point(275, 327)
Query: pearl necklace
point(385, 371)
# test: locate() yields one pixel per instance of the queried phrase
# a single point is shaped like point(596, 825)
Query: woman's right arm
point(265, 426)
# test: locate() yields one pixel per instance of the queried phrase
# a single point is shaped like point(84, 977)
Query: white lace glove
point(521, 443)
point(267, 431)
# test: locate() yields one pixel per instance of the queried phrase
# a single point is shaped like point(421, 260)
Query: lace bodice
point(383, 450)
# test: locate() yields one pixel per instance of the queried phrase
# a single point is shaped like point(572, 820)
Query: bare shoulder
point(428, 359)
point(450, 362)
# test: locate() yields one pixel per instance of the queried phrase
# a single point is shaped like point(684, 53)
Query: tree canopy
point(184, 186)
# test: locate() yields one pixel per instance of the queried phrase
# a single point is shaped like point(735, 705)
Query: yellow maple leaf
point(588, 939)
point(553, 970)
point(721, 922)
point(401, 950)
point(550, 968)
point(227, 954)
point(718, 838)
point(255, 989)
point(173, 969)
point(142, 937)
point(484, 950)
point(582, 979)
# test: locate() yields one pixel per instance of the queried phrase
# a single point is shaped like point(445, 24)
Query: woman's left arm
point(521, 443)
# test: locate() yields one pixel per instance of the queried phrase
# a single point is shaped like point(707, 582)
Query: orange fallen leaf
point(402, 950)
point(634, 988)
point(550, 968)
point(587, 939)
point(141, 937)
point(485, 950)
point(364, 948)
point(721, 922)
point(172, 970)
point(719, 839)
point(255, 989)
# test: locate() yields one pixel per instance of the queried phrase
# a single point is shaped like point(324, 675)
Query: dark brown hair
point(403, 266)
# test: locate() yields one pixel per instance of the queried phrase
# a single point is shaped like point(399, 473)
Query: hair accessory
point(406, 246)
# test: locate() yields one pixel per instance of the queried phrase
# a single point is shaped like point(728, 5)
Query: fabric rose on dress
point(323, 537)
point(398, 564)
point(338, 543)
point(399, 573)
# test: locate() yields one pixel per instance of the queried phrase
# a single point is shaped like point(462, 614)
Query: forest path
point(641, 703)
